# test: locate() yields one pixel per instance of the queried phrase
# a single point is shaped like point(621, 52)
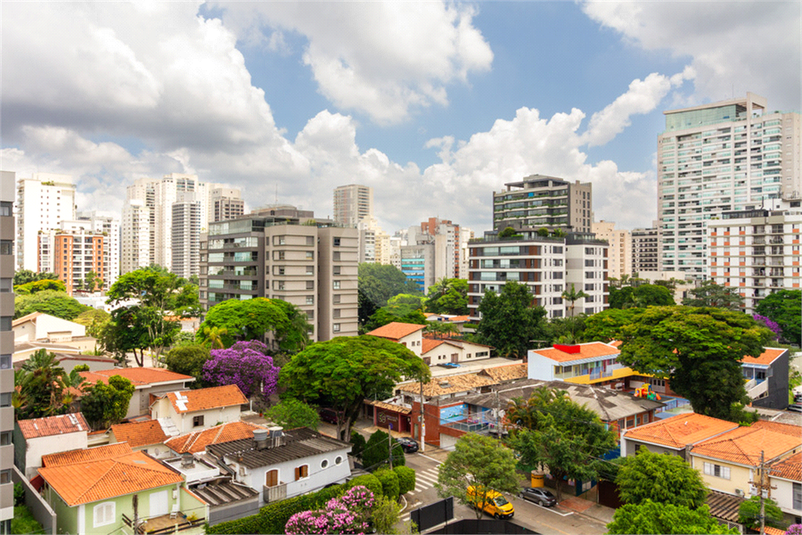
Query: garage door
point(447, 442)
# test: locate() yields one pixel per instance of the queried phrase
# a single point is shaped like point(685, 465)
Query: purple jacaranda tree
point(245, 364)
point(794, 529)
point(773, 326)
point(347, 514)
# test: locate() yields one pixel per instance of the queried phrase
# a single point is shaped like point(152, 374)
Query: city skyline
point(434, 107)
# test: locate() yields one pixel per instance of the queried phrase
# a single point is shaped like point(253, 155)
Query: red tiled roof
point(196, 442)
point(138, 376)
point(105, 478)
point(616, 343)
point(586, 351)
point(139, 433)
point(53, 425)
point(83, 456)
point(767, 357)
point(778, 427)
point(206, 398)
point(744, 445)
point(681, 430)
point(396, 331)
point(510, 372)
point(788, 468)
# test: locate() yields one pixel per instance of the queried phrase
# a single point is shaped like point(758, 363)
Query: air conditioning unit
point(739, 492)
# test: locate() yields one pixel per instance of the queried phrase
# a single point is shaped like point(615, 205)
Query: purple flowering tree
point(346, 514)
point(245, 364)
point(794, 529)
point(773, 326)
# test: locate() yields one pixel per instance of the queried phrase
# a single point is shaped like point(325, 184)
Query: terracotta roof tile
point(681, 430)
point(396, 331)
point(139, 433)
point(788, 468)
point(82, 456)
point(206, 398)
point(138, 376)
point(778, 427)
point(510, 372)
point(53, 425)
point(196, 442)
point(743, 445)
point(389, 406)
point(586, 351)
point(769, 530)
point(767, 357)
point(449, 385)
point(106, 478)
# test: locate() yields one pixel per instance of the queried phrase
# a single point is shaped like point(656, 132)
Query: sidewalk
point(589, 509)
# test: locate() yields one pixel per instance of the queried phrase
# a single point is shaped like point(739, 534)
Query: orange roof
point(586, 351)
point(778, 427)
point(451, 384)
point(196, 442)
point(768, 530)
point(743, 445)
point(139, 433)
point(87, 481)
point(396, 331)
point(616, 343)
point(509, 372)
point(53, 425)
point(108, 451)
point(767, 357)
point(788, 468)
point(206, 398)
point(681, 430)
point(138, 376)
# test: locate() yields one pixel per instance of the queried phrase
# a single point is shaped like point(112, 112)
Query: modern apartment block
point(540, 201)
point(225, 204)
point(7, 268)
point(308, 262)
point(719, 157)
point(432, 252)
point(43, 202)
point(417, 263)
point(352, 203)
point(620, 261)
point(374, 243)
point(185, 257)
point(73, 255)
point(137, 236)
point(548, 266)
point(645, 250)
point(756, 251)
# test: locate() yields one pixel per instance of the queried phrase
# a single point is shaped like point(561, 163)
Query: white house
point(44, 327)
point(193, 410)
point(407, 334)
point(441, 351)
point(282, 464)
point(43, 436)
point(785, 477)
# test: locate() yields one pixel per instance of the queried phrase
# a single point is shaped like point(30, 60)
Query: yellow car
point(494, 502)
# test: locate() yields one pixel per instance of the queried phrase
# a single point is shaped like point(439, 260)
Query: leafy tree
point(245, 364)
point(127, 332)
point(212, 336)
point(382, 317)
point(377, 284)
point(481, 461)
point(293, 337)
point(94, 320)
point(291, 413)
point(642, 296)
point(403, 304)
point(389, 481)
point(689, 345)
point(24, 276)
point(188, 360)
point(572, 296)
point(93, 282)
point(568, 330)
point(749, 513)
point(406, 478)
point(543, 232)
point(246, 320)
point(661, 478)
point(509, 320)
point(606, 325)
point(345, 371)
point(385, 515)
point(508, 232)
point(556, 432)
point(448, 296)
point(784, 307)
point(358, 443)
point(51, 302)
point(441, 328)
point(104, 405)
point(710, 294)
point(40, 285)
point(377, 451)
point(40, 387)
point(651, 517)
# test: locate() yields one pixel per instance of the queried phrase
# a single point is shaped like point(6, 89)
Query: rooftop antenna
point(276, 192)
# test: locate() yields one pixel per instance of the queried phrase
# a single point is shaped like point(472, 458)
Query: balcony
point(171, 523)
point(275, 493)
point(597, 375)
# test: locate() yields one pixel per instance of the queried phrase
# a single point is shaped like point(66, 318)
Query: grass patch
point(24, 522)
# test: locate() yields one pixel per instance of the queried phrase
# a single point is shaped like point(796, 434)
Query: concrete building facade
point(540, 201)
point(7, 265)
point(352, 203)
point(72, 256)
point(645, 250)
point(185, 253)
point(620, 260)
point(135, 236)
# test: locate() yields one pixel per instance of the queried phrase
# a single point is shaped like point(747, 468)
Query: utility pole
point(762, 487)
point(422, 421)
point(135, 502)
point(390, 444)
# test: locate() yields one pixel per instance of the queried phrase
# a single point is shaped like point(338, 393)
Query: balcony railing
point(275, 493)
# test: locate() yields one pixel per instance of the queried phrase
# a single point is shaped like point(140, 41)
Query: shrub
point(406, 479)
point(376, 451)
point(24, 522)
point(348, 514)
point(358, 444)
point(368, 480)
point(389, 481)
point(385, 515)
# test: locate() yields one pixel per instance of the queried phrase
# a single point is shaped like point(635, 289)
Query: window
point(336, 242)
point(310, 240)
point(271, 478)
point(797, 498)
point(6, 247)
point(5, 477)
point(278, 255)
point(5, 209)
point(310, 255)
point(310, 285)
point(335, 299)
point(5, 362)
point(336, 256)
point(5, 438)
point(324, 464)
point(104, 514)
point(5, 285)
point(197, 421)
point(338, 460)
point(301, 472)
point(310, 300)
point(716, 470)
point(5, 399)
point(278, 270)
point(336, 287)
point(335, 327)
point(310, 270)
point(336, 312)
point(336, 270)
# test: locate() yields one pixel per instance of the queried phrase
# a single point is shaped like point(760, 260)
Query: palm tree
point(41, 385)
point(213, 337)
point(572, 296)
point(72, 382)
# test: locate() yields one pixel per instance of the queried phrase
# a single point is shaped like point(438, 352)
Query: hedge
point(406, 479)
point(274, 516)
point(389, 481)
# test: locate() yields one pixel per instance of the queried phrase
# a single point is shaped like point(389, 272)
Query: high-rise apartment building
point(352, 203)
point(645, 250)
point(43, 202)
point(136, 236)
point(540, 201)
point(185, 257)
point(7, 265)
point(308, 262)
point(620, 260)
point(73, 256)
point(225, 204)
point(720, 157)
point(432, 252)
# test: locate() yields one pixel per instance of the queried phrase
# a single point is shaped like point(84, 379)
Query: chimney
point(260, 437)
point(187, 460)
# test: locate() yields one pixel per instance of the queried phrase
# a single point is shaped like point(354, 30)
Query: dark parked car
point(407, 444)
point(328, 416)
point(795, 407)
point(539, 495)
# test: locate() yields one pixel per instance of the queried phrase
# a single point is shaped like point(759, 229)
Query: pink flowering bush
point(347, 514)
point(794, 529)
point(245, 364)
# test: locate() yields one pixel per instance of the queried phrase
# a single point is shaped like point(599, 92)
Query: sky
point(433, 104)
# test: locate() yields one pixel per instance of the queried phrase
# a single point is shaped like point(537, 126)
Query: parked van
point(495, 503)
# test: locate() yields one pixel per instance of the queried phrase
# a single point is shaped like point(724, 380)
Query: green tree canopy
point(291, 413)
point(246, 320)
point(642, 296)
point(188, 360)
point(572, 295)
point(293, 336)
point(404, 304)
point(382, 317)
point(749, 513)
point(651, 517)
point(377, 451)
point(710, 294)
point(688, 345)
point(345, 371)
point(127, 332)
point(40, 387)
point(24, 276)
point(104, 404)
point(94, 320)
point(37, 286)
point(510, 320)
point(784, 308)
point(553, 431)
point(52, 302)
point(508, 232)
point(377, 284)
point(661, 478)
point(448, 296)
point(607, 324)
point(481, 461)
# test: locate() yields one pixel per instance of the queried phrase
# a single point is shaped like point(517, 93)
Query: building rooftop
point(578, 352)
point(140, 377)
point(53, 425)
point(507, 373)
point(196, 442)
point(82, 456)
point(450, 384)
point(206, 398)
point(223, 491)
point(788, 468)
point(745, 444)
point(396, 331)
point(139, 433)
point(681, 430)
point(766, 358)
